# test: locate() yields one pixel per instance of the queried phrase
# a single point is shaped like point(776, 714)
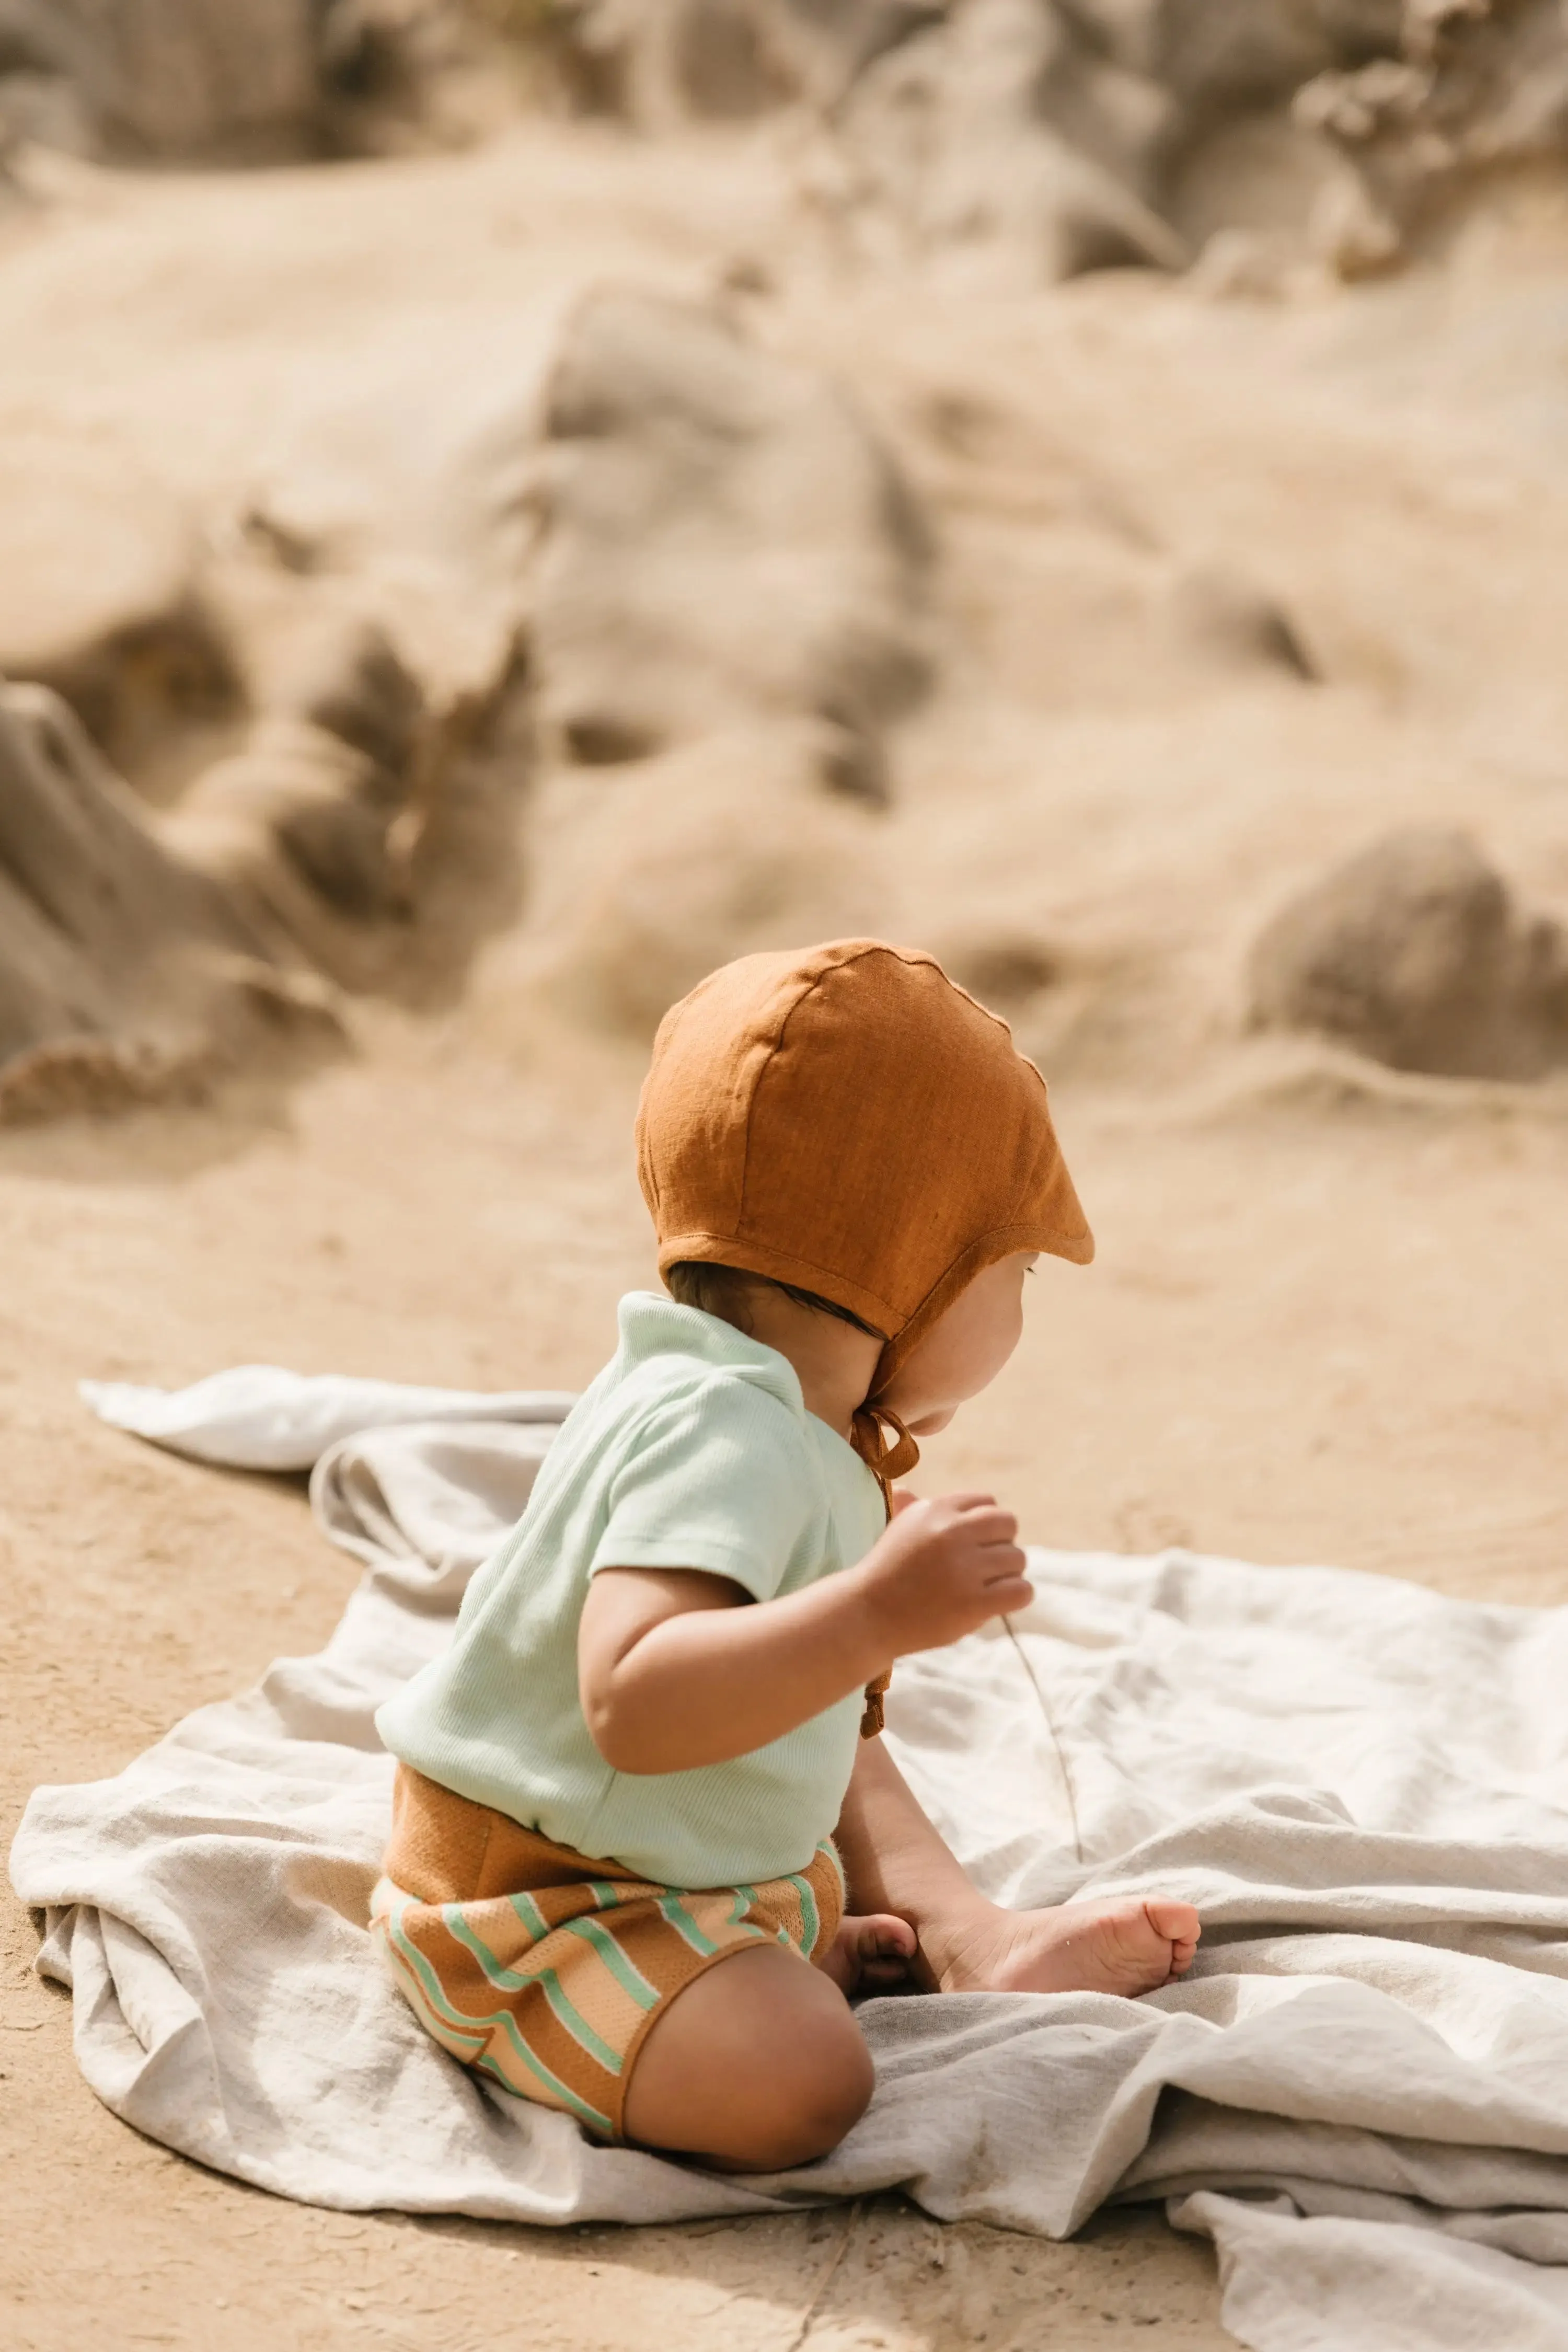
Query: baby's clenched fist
point(942, 1568)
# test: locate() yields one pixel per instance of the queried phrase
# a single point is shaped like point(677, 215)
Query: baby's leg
point(757, 2065)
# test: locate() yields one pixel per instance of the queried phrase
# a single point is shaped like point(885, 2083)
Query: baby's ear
point(903, 1498)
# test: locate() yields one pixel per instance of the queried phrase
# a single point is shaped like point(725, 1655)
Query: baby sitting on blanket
point(646, 1837)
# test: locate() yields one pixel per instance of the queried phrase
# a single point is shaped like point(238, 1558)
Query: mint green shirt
point(692, 1449)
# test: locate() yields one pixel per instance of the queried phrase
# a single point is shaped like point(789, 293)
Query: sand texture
point(502, 509)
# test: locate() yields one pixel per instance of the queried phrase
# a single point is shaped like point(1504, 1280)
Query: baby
point(646, 1837)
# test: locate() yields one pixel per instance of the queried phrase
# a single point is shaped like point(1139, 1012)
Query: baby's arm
point(678, 1668)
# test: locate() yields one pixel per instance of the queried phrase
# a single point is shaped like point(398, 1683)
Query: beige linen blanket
point(1361, 2096)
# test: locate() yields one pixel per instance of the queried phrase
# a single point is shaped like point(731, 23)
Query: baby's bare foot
point(1128, 1947)
point(870, 1953)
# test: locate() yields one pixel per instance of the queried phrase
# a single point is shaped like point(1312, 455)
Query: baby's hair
point(723, 1290)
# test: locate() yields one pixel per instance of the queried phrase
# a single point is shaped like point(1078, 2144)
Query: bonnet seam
point(872, 947)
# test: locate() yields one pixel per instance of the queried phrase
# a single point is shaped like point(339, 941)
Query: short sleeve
point(716, 1479)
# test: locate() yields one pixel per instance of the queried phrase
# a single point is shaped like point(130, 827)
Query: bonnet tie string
point(887, 1459)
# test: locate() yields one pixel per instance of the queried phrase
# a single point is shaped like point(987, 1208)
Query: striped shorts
point(543, 1969)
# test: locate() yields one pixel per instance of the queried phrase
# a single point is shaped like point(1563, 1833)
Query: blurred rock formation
point(1032, 138)
point(174, 77)
point(723, 538)
point(356, 805)
point(1007, 137)
point(307, 824)
point(1053, 136)
point(125, 973)
point(730, 606)
point(358, 839)
point(726, 601)
point(211, 78)
point(1415, 953)
point(1469, 88)
point(101, 598)
point(720, 61)
point(679, 585)
point(1036, 139)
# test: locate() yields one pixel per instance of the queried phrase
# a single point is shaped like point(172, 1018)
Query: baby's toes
point(882, 1936)
point(871, 1951)
point(1177, 1922)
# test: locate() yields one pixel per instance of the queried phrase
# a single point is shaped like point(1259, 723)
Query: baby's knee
point(821, 2089)
point(758, 2065)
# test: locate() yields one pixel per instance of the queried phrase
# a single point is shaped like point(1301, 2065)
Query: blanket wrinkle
point(1361, 2096)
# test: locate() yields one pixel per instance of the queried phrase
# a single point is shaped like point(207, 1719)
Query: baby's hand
point(943, 1568)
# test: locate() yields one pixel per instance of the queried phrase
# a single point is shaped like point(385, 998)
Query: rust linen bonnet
point(848, 1120)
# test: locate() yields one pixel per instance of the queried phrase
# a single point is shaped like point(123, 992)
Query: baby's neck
point(834, 1363)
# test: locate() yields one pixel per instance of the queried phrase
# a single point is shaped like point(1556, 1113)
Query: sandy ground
point(1327, 1320)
